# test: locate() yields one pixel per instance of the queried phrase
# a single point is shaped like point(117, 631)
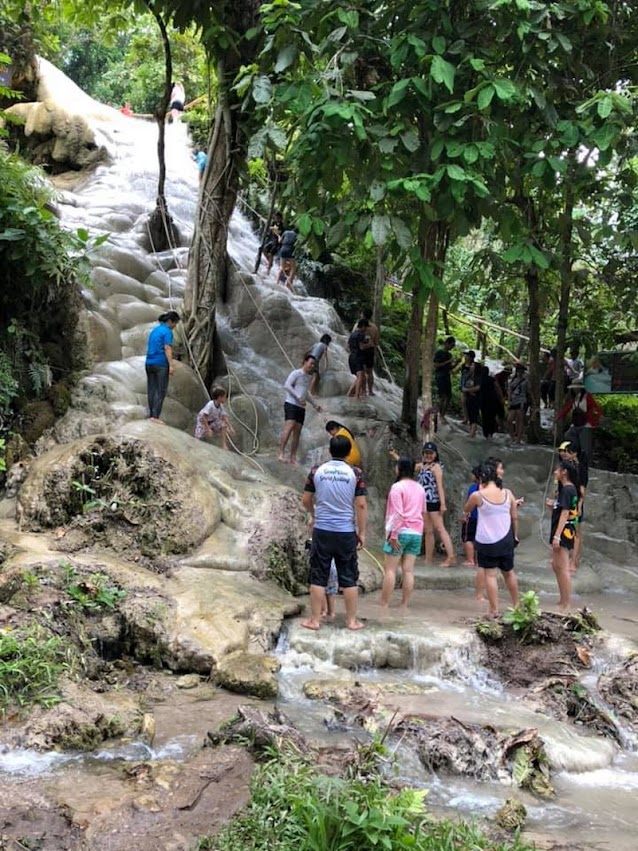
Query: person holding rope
point(297, 387)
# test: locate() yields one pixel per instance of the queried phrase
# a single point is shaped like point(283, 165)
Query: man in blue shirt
point(335, 498)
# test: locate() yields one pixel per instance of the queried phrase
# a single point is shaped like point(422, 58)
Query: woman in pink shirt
point(404, 515)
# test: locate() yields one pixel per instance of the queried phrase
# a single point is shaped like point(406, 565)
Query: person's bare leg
point(520, 424)
point(317, 599)
point(370, 380)
point(351, 600)
point(578, 546)
point(560, 563)
point(330, 607)
point(468, 546)
point(428, 532)
point(283, 440)
point(390, 564)
point(491, 586)
point(479, 585)
point(511, 583)
point(439, 527)
point(294, 442)
point(407, 583)
point(224, 437)
point(360, 385)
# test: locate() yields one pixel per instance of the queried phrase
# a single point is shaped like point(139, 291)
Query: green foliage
point(490, 630)
point(615, 438)
point(91, 593)
point(525, 616)
point(295, 808)
point(30, 666)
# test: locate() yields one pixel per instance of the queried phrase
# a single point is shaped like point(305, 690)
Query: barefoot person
point(496, 534)
point(297, 394)
point(335, 498)
point(404, 519)
point(159, 363)
point(213, 418)
point(430, 477)
point(563, 530)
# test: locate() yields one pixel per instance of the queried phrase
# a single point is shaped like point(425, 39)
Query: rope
point(374, 559)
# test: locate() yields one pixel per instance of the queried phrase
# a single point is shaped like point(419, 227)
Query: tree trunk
point(566, 275)
point(429, 346)
point(208, 261)
point(162, 230)
point(533, 375)
point(412, 361)
point(208, 257)
point(379, 285)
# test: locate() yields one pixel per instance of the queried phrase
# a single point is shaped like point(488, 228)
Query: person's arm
point(438, 476)
point(394, 454)
point(514, 514)
point(594, 412)
point(361, 512)
point(308, 502)
point(168, 351)
point(473, 501)
point(562, 522)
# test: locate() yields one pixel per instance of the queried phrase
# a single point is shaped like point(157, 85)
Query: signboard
point(612, 372)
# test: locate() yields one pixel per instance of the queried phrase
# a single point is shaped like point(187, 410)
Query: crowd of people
point(335, 492)
point(335, 501)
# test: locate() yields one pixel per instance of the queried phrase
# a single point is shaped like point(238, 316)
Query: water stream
point(432, 667)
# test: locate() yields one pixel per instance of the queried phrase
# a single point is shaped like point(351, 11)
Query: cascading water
point(265, 329)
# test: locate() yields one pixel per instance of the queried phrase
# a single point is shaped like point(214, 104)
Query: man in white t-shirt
point(297, 395)
point(335, 498)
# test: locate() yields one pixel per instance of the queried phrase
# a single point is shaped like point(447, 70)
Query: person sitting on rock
point(213, 418)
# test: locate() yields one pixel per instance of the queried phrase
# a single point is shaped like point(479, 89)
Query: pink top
point(405, 508)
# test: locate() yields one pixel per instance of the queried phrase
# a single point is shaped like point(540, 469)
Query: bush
point(615, 439)
point(31, 664)
point(294, 807)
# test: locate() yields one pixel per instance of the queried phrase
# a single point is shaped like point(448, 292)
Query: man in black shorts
point(335, 498)
point(297, 389)
point(443, 366)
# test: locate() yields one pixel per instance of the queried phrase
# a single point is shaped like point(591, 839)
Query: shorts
point(367, 356)
point(444, 385)
point(566, 539)
point(178, 105)
point(216, 426)
point(468, 530)
point(340, 546)
point(503, 562)
point(294, 412)
point(286, 254)
point(432, 506)
point(355, 362)
point(409, 545)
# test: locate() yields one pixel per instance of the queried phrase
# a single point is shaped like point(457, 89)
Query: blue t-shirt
point(474, 512)
point(158, 338)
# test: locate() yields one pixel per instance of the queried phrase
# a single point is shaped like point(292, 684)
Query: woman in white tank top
point(496, 534)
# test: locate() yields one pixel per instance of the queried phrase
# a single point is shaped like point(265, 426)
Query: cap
point(567, 446)
point(430, 447)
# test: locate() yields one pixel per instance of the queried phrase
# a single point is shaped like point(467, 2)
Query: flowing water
point(421, 664)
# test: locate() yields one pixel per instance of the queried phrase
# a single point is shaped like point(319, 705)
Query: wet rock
point(619, 688)
point(188, 681)
point(245, 673)
point(348, 694)
point(511, 816)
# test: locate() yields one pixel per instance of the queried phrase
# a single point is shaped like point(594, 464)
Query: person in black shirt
point(563, 530)
point(443, 366)
point(568, 451)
